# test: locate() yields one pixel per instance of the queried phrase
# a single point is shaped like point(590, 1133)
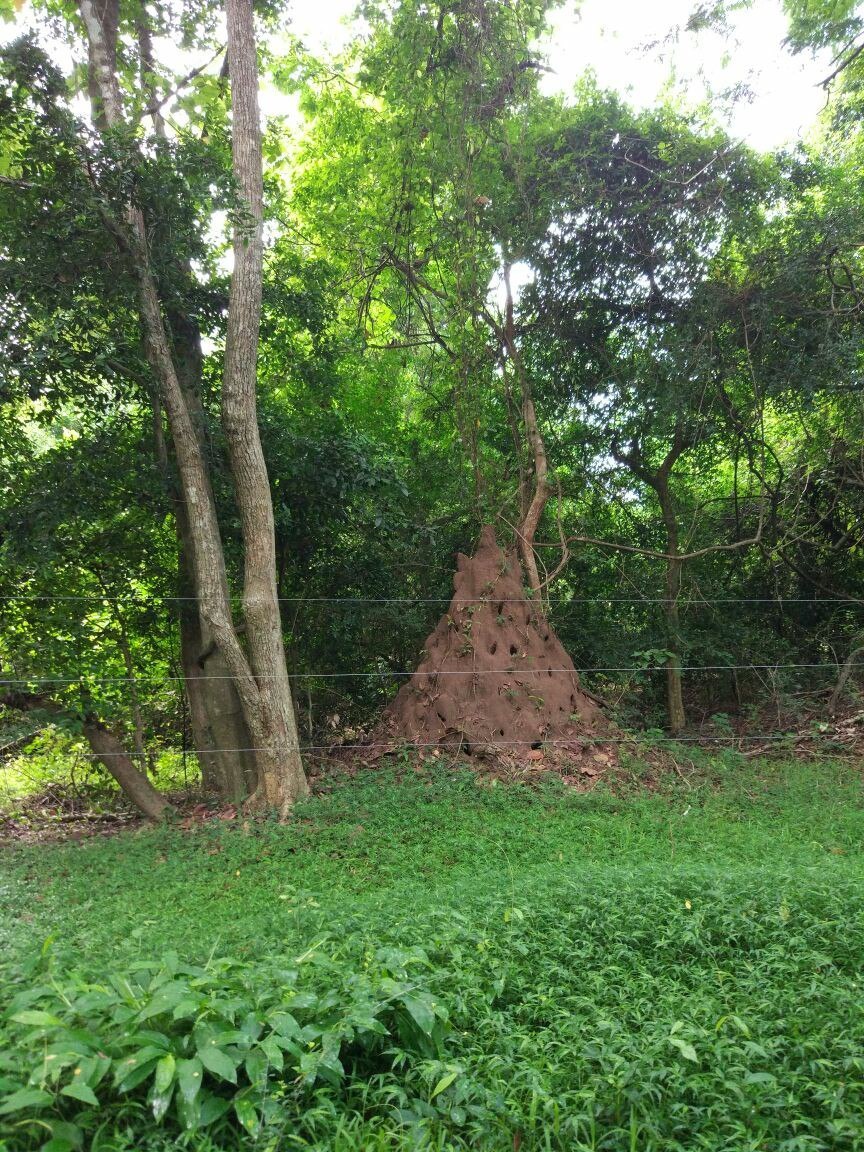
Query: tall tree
point(252, 663)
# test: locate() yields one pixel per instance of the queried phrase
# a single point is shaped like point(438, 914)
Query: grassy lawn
point(436, 964)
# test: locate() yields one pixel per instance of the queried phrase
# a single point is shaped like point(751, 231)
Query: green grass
point(677, 970)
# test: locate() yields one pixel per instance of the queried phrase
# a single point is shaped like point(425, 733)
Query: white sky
point(613, 38)
point(610, 37)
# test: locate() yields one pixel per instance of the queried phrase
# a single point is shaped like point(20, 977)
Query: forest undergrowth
point(419, 960)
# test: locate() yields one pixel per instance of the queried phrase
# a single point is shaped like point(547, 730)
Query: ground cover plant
point(422, 961)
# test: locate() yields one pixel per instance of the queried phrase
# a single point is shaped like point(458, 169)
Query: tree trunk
point(281, 779)
point(219, 734)
point(199, 720)
point(843, 679)
point(229, 746)
point(262, 681)
point(222, 741)
point(658, 480)
point(532, 503)
point(107, 749)
point(135, 785)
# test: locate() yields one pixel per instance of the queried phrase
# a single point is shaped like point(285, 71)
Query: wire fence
point(689, 602)
point(571, 744)
point(387, 674)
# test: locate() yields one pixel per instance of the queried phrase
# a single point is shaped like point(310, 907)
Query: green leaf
point(421, 1012)
point(273, 1053)
point(685, 1048)
point(760, 1078)
point(160, 1102)
point(256, 1065)
point(247, 1114)
point(25, 1098)
point(36, 1018)
point(65, 1134)
point(77, 1090)
point(218, 1062)
point(164, 1074)
point(189, 1076)
point(130, 1071)
point(185, 1009)
point(444, 1082)
point(165, 999)
point(285, 1024)
point(212, 1109)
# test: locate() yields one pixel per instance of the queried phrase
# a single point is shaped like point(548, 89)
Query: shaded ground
point(63, 811)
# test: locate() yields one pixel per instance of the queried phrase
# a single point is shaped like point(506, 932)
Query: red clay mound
point(494, 679)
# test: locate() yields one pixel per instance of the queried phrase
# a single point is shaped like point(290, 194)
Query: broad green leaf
point(189, 1076)
point(218, 1062)
point(78, 1090)
point(164, 1074)
point(273, 1053)
point(70, 1135)
point(685, 1048)
point(256, 1064)
point(160, 1102)
point(421, 1012)
point(212, 1109)
point(285, 1024)
point(37, 1018)
point(247, 1114)
point(444, 1082)
point(185, 1009)
point(760, 1078)
point(132, 1069)
point(24, 1098)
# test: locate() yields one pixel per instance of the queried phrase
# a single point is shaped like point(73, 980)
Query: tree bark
point(107, 749)
point(103, 15)
point(134, 783)
point(532, 503)
point(261, 682)
point(229, 747)
point(843, 679)
point(281, 779)
point(658, 480)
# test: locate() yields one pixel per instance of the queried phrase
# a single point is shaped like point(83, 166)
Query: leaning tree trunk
point(280, 771)
point(107, 749)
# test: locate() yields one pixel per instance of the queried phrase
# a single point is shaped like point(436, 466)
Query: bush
point(226, 1045)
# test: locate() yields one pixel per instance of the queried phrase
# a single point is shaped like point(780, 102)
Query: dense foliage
point(428, 963)
point(258, 392)
point(686, 319)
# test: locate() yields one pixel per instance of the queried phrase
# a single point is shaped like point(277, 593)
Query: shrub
point(226, 1042)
